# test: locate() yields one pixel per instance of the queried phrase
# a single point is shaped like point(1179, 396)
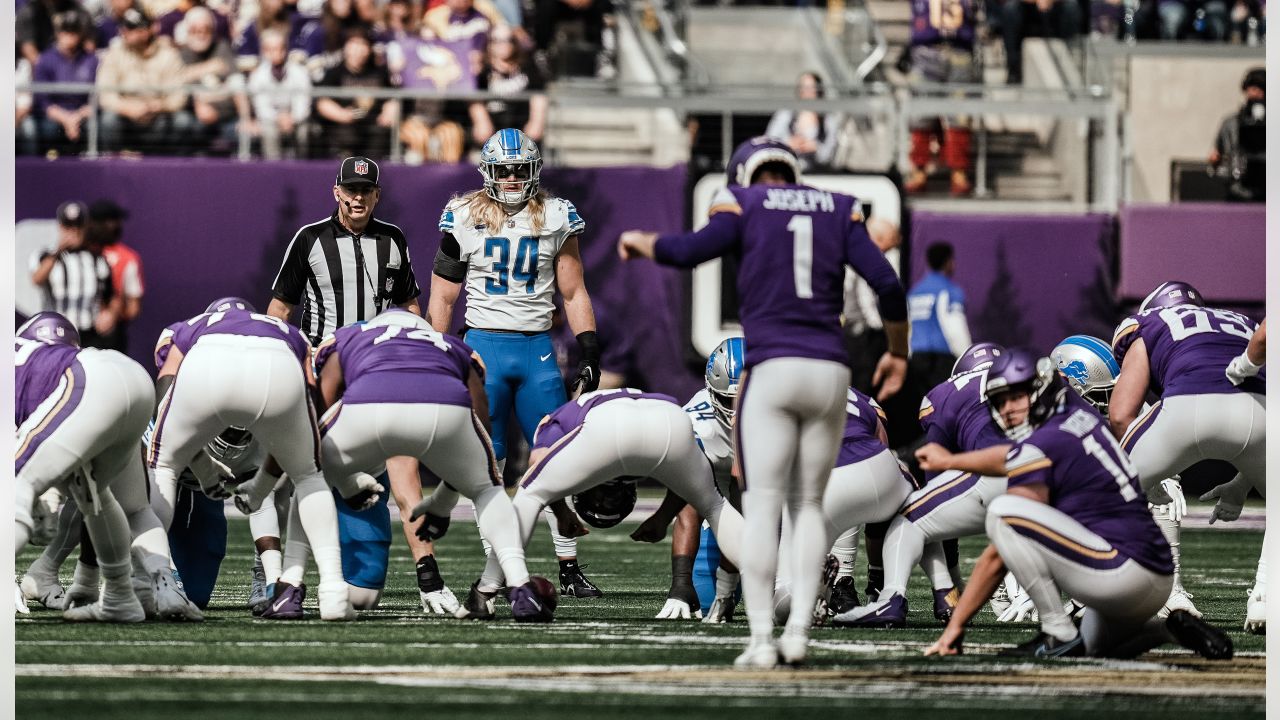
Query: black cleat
point(844, 596)
point(1199, 636)
point(574, 584)
point(1044, 645)
point(478, 606)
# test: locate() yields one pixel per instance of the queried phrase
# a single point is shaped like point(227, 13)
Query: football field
point(606, 655)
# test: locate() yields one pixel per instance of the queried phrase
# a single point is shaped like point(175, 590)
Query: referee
point(76, 280)
point(346, 269)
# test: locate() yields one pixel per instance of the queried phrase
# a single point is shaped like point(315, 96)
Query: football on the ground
point(546, 591)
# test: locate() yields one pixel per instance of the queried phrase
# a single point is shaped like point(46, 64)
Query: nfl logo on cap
point(361, 167)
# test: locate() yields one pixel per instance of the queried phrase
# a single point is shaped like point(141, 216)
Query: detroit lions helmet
point(748, 158)
point(229, 303)
point(1089, 367)
point(724, 371)
point(510, 152)
point(607, 504)
point(1174, 292)
point(1019, 369)
point(977, 355)
point(50, 327)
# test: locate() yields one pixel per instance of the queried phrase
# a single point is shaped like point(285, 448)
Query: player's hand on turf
point(949, 643)
point(440, 602)
point(933, 457)
point(677, 609)
point(652, 530)
point(636, 244)
point(369, 493)
point(1230, 497)
point(1177, 499)
point(891, 372)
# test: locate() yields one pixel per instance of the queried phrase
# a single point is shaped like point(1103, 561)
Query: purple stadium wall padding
point(1217, 247)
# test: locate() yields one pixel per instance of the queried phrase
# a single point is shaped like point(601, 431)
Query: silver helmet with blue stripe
point(724, 371)
point(1089, 367)
point(511, 165)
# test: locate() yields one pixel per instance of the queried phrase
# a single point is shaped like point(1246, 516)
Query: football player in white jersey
point(514, 246)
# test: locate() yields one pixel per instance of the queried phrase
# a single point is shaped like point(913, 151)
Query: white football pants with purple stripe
point(449, 440)
point(953, 505)
point(87, 432)
point(627, 438)
point(258, 384)
point(790, 417)
point(1050, 553)
point(1180, 431)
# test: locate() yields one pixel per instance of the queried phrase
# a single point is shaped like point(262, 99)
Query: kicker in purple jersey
point(955, 416)
point(794, 242)
point(244, 323)
point(1189, 348)
point(38, 368)
point(861, 422)
point(935, 21)
point(396, 364)
point(572, 414)
point(1091, 480)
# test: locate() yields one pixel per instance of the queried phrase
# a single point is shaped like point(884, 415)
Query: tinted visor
point(518, 171)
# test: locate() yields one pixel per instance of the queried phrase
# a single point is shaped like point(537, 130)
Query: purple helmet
point(978, 354)
point(1019, 369)
point(1174, 292)
point(229, 303)
point(49, 326)
point(750, 155)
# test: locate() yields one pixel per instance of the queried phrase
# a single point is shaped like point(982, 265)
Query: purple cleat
point(528, 606)
point(286, 604)
point(944, 603)
point(890, 612)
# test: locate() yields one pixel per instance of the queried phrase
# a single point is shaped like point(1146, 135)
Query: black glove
point(433, 527)
point(588, 378)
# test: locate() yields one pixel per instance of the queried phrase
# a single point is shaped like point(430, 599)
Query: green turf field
point(606, 654)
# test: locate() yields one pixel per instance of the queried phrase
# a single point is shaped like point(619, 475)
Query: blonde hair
point(490, 212)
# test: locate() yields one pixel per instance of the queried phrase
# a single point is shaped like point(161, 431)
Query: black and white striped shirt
point(79, 285)
point(340, 278)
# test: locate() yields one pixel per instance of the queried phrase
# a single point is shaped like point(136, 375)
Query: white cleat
point(95, 612)
point(439, 602)
point(79, 595)
point(335, 603)
point(1179, 599)
point(49, 593)
point(761, 655)
point(171, 602)
point(1000, 600)
point(20, 601)
point(677, 609)
point(1255, 615)
point(793, 648)
point(721, 610)
point(144, 589)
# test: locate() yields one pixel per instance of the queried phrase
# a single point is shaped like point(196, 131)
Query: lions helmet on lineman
point(1021, 370)
point(49, 326)
point(607, 504)
point(1089, 367)
point(229, 303)
point(510, 153)
point(753, 154)
point(977, 355)
point(1168, 294)
point(724, 371)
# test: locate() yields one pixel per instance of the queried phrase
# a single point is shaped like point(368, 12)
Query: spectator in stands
point(460, 20)
point(102, 234)
point(76, 280)
point(142, 118)
point(360, 125)
point(207, 60)
point(60, 118)
point(813, 137)
point(941, 51)
point(171, 25)
point(278, 119)
point(508, 70)
point(272, 15)
point(34, 25)
point(939, 330)
point(28, 140)
point(595, 15)
point(108, 26)
point(1027, 18)
point(432, 130)
point(1240, 151)
point(1248, 21)
point(322, 39)
point(399, 20)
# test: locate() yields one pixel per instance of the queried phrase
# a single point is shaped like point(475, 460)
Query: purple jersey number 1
point(801, 227)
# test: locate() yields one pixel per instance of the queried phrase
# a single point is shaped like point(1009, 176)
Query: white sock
point(566, 547)
point(497, 521)
point(271, 564)
point(846, 550)
point(320, 520)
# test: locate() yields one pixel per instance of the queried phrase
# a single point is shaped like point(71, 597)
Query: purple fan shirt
point(38, 368)
point(938, 21)
point(861, 430)
point(1090, 479)
point(573, 414)
point(243, 323)
point(1189, 349)
point(794, 242)
point(395, 364)
point(955, 415)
